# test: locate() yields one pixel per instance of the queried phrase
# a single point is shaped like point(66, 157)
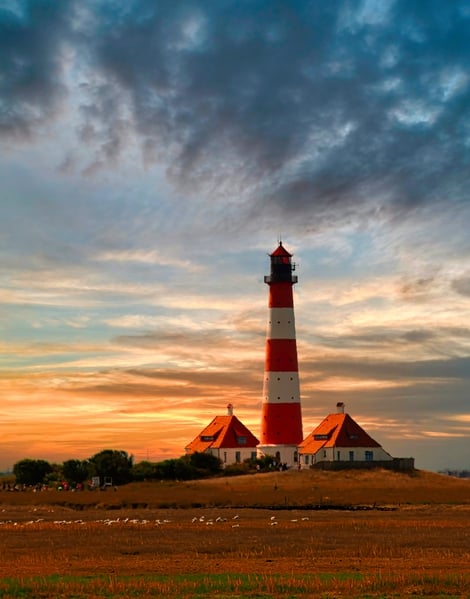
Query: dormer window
point(207, 437)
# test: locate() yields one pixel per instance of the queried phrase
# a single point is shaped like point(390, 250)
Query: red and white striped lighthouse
point(281, 420)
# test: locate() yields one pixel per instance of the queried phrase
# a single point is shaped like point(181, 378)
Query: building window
point(338, 456)
point(296, 457)
point(238, 457)
point(306, 459)
point(253, 455)
point(324, 453)
point(241, 440)
point(225, 457)
point(207, 437)
point(369, 455)
point(351, 456)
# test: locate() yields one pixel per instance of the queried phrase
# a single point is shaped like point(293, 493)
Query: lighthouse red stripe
point(281, 355)
point(280, 295)
point(282, 424)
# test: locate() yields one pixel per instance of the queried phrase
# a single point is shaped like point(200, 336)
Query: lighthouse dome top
point(281, 251)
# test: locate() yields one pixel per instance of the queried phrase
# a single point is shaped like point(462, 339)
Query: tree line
point(118, 467)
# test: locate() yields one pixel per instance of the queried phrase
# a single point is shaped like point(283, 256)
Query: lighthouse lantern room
point(281, 419)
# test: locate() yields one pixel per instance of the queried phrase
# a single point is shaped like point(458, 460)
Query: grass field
point(290, 534)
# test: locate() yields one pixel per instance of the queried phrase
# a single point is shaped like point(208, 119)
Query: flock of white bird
point(234, 521)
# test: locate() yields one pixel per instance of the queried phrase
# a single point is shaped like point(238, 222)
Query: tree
point(114, 464)
point(144, 470)
point(31, 472)
point(175, 469)
point(76, 471)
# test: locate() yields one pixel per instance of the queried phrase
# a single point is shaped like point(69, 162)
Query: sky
point(152, 155)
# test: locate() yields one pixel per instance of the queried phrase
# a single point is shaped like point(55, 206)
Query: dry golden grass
point(291, 488)
point(124, 545)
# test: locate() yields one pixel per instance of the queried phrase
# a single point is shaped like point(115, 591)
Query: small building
point(226, 438)
point(339, 441)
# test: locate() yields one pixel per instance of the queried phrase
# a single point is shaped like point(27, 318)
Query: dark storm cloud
point(32, 37)
point(323, 104)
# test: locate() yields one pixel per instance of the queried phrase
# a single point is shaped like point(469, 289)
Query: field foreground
point(406, 548)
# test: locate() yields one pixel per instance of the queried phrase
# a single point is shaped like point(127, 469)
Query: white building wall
point(284, 454)
point(233, 455)
point(345, 454)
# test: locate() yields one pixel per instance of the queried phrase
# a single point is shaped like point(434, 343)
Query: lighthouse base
point(283, 455)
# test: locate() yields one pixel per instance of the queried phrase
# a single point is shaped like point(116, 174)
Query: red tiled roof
point(223, 432)
point(337, 430)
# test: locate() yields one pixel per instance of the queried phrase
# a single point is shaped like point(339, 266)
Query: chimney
point(340, 407)
point(230, 410)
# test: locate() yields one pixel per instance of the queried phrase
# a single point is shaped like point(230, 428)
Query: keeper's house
point(226, 438)
point(339, 442)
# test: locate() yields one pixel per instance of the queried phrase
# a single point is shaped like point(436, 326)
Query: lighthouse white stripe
point(281, 323)
point(281, 387)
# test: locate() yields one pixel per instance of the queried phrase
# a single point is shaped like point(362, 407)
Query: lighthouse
point(281, 419)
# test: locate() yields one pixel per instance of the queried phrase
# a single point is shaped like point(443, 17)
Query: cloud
point(462, 286)
point(417, 289)
point(306, 108)
point(368, 368)
point(32, 46)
